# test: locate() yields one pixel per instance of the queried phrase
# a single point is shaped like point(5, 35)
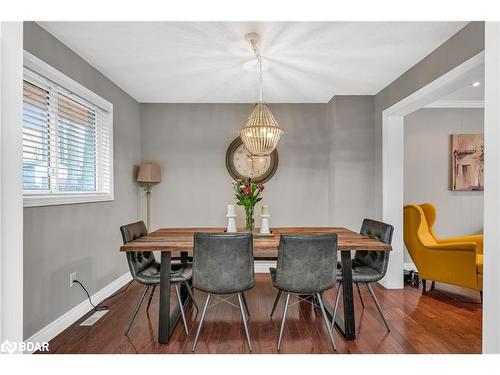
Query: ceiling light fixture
point(476, 84)
point(261, 133)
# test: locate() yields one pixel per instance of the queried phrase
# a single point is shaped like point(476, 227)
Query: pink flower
point(260, 187)
point(246, 190)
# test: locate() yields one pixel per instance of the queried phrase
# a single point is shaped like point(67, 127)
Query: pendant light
point(261, 133)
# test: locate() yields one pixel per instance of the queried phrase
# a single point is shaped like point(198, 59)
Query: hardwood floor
point(444, 320)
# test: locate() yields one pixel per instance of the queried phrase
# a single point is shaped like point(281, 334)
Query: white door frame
point(393, 156)
point(11, 198)
point(491, 257)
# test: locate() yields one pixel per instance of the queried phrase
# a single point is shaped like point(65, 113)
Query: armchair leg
point(424, 285)
point(283, 320)
point(137, 307)
point(336, 306)
point(377, 304)
point(360, 297)
point(190, 291)
point(244, 319)
point(276, 300)
point(201, 322)
point(181, 306)
point(151, 297)
point(246, 304)
point(325, 319)
point(433, 285)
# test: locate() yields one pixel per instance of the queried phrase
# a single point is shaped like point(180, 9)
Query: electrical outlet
point(72, 278)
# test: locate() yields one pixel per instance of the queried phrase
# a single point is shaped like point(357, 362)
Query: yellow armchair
point(457, 261)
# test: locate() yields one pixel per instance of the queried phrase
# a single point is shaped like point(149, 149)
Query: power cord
point(98, 307)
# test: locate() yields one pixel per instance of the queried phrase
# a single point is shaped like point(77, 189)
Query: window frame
point(44, 198)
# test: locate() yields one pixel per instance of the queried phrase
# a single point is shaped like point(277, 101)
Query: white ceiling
point(466, 95)
point(468, 92)
point(210, 62)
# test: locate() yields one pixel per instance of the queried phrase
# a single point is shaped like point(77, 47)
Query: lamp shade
point(261, 133)
point(149, 172)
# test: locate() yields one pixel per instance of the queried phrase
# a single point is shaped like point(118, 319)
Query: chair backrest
point(223, 262)
point(307, 263)
point(140, 260)
point(430, 214)
point(417, 233)
point(377, 260)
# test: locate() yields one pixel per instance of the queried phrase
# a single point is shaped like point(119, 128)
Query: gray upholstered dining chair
point(146, 271)
point(369, 266)
point(307, 265)
point(223, 265)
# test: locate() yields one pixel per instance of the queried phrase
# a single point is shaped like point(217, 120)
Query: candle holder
point(231, 219)
point(264, 224)
point(231, 223)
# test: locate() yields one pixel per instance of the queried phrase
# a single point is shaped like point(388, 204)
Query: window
point(67, 139)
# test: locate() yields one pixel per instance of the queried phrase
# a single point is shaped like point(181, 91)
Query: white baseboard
point(409, 266)
point(51, 330)
point(262, 266)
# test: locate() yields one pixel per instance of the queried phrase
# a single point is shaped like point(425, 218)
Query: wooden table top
point(181, 239)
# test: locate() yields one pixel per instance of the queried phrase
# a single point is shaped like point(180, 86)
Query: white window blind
point(67, 144)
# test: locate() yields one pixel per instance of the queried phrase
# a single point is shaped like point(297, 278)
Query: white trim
point(456, 104)
point(393, 154)
point(11, 208)
point(64, 321)
point(59, 199)
point(43, 69)
point(393, 198)
point(491, 276)
point(262, 266)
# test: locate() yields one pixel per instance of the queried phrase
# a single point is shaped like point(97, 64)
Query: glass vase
point(249, 222)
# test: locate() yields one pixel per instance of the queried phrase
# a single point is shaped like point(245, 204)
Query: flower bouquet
point(247, 194)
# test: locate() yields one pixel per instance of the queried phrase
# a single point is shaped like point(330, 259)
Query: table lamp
point(148, 173)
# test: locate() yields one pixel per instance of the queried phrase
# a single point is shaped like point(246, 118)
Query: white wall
point(11, 204)
point(427, 168)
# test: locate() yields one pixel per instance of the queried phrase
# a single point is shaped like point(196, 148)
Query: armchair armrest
point(454, 246)
point(453, 263)
point(475, 238)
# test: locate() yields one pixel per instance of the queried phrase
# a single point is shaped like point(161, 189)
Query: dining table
point(177, 243)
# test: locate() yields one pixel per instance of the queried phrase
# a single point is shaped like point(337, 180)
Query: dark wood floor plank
point(445, 320)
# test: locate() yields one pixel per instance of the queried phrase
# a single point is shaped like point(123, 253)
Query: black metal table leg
point(164, 316)
point(184, 291)
point(346, 326)
point(167, 319)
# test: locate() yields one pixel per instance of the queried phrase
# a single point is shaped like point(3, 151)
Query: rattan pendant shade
point(261, 133)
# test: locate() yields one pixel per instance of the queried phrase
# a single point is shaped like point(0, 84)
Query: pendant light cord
point(259, 59)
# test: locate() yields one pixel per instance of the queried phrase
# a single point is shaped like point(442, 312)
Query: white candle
point(230, 210)
point(265, 210)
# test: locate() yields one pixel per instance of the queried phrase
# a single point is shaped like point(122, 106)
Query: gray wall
point(465, 44)
point(351, 160)
point(325, 175)
point(82, 237)
point(189, 141)
point(427, 168)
